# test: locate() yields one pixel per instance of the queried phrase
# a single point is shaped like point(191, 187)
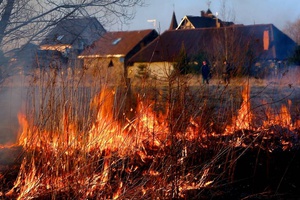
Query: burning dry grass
point(180, 149)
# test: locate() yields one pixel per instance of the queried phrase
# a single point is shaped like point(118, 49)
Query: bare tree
point(292, 29)
point(26, 20)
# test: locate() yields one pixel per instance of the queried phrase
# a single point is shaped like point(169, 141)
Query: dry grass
point(157, 140)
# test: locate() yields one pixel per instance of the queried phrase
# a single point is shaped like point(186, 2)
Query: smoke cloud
point(12, 96)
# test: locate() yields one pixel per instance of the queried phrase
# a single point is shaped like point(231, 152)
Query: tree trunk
point(5, 17)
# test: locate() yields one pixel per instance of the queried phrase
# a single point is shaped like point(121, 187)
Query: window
point(116, 41)
point(60, 37)
point(110, 64)
point(266, 40)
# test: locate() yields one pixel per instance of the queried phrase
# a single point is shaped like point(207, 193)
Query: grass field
point(183, 150)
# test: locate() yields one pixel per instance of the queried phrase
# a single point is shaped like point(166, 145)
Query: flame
point(282, 118)
point(85, 161)
point(118, 193)
point(244, 117)
point(61, 147)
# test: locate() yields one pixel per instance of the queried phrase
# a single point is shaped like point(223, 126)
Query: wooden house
point(107, 58)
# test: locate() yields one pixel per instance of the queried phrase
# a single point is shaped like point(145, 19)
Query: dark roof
point(167, 47)
point(25, 55)
point(68, 30)
point(174, 23)
point(284, 45)
point(118, 43)
point(202, 22)
point(51, 58)
point(205, 22)
point(208, 11)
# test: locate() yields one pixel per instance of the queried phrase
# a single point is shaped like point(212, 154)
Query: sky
point(247, 12)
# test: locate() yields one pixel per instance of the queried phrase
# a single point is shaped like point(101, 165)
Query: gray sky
point(246, 12)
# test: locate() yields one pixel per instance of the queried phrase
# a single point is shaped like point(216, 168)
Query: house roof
point(69, 30)
point(174, 23)
point(203, 21)
point(118, 43)
point(25, 55)
point(168, 46)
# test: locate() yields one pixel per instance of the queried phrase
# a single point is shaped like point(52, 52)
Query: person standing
point(226, 72)
point(205, 69)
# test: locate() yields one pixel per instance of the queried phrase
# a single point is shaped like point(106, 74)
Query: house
point(69, 38)
point(206, 20)
point(22, 59)
point(107, 58)
point(242, 45)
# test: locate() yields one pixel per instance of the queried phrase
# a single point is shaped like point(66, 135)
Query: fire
point(273, 117)
point(244, 117)
point(283, 117)
point(104, 160)
point(29, 185)
point(103, 140)
point(118, 193)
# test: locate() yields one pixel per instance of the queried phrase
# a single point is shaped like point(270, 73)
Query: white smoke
point(12, 96)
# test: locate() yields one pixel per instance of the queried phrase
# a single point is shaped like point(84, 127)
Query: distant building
point(206, 20)
point(107, 58)
point(22, 60)
point(243, 45)
point(68, 39)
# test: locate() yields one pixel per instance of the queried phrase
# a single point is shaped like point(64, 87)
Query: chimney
point(202, 13)
point(217, 21)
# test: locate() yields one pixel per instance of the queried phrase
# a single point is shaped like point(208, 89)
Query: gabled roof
point(203, 22)
point(69, 30)
point(208, 12)
point(118, 43)
point(174, 23)
point(167, 47)
point(25, 55)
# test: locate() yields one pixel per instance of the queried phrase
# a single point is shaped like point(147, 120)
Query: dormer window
point(110, 64)
point(116, 41)
point(80, 45)
point(60, 37)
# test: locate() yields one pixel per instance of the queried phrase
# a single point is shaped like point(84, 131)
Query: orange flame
point(282, 118)
point(68, 153)
point(244, 117)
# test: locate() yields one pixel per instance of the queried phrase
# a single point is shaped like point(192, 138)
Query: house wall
point(107, 71)
point(186, 25)
point(154, 70)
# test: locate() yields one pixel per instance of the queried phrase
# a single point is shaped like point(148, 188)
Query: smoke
point(288, 76)
point(12, 96)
